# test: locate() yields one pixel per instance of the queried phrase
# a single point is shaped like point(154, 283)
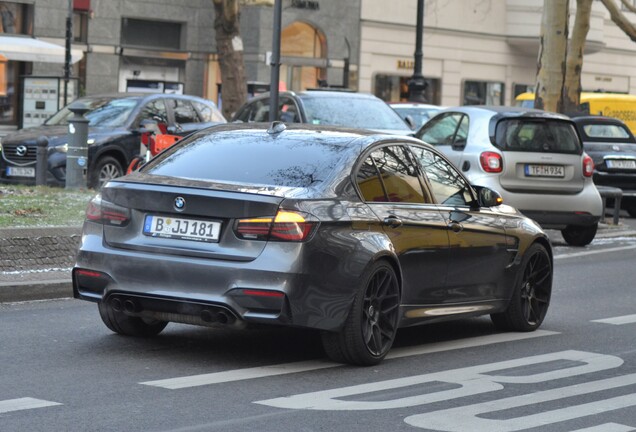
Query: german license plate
point(180, 228)
point(621, 163)
point(20, 172)
point(545, 170)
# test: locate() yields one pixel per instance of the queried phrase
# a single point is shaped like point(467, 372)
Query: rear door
point(448, 132)
point(540, 156)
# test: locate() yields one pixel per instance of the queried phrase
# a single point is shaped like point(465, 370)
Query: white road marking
point(288, 368)
point(24, 404)
point(608, 427)
point(461, 383)
point(594, 252)
point(626, 319)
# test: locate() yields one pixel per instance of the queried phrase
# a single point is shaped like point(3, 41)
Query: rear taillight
point(290, 226)
point(491, 162)
point(105, 212)
point(588, 166)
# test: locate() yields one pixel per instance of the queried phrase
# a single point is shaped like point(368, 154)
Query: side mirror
point(488, 197)
point(409, 121)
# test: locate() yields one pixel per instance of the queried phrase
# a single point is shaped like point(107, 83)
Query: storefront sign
point(305, 4)
point(406, 64)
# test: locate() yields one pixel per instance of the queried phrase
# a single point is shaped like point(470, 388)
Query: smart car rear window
point(537, 135)
point(256, 158)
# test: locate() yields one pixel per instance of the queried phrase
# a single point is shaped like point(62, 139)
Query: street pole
point(67, 58)
point(417, 84)
point(275, 63)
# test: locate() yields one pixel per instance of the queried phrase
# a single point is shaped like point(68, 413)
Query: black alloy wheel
point(370, 329)
point(531, 298)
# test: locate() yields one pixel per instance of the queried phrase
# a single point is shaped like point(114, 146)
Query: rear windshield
point(542, 136)
point(352, 112)
point(604, 132)
point(290, 161)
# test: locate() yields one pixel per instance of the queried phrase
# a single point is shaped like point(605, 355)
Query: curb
point(13, 292)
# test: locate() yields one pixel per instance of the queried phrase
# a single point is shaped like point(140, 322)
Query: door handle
point(455, 227)
point(392, 221)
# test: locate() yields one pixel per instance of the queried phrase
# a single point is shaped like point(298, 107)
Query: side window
point(398, 177)
point(208, 113)
point(154, 110)
point(184, 112)
point(260, 111)
point(446, 130)
point(448, 186)
point(288, 112)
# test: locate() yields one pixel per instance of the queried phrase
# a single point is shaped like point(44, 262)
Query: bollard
point(42, 161)
point(77, 155)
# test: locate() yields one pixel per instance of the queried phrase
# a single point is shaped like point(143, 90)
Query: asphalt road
point(62, 370)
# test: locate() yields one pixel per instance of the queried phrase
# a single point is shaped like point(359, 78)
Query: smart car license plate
point(545, 170)
point(20, 172)
point(621, 163)
point(183, 229)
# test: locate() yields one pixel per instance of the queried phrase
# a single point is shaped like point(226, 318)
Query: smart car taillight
point(105, 212)
point(588, 166)
point(291, 226)
point(491, 162)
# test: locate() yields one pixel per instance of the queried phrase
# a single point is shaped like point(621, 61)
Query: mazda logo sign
point(21, 150)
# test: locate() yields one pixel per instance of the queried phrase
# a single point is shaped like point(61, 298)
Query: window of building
point(395, 88)
point(301, 41)
point(16, 18)
point(151, 34)
point(9, 99)
point(80, 27)
point(483, 93)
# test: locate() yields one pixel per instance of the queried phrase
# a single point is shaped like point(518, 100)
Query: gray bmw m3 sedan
point(349, 232)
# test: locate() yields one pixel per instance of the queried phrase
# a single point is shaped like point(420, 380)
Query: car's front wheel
point(127, 325)
point(106, 168)
point(370, 329)
point(577, 235)
point(531, 296)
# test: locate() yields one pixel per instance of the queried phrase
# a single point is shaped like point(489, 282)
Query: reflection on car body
point(346, 231)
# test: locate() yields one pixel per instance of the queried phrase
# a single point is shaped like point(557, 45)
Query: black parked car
point(327, 108)
point(612, 146)
point(349, 232)
point(114, 135)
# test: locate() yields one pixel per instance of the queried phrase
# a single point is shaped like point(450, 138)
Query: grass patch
point(42, 206)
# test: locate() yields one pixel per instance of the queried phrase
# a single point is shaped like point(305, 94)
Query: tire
point(576, 235)
point(127, 325)
point(105, 169)
point(370, 328)
point(531, 297)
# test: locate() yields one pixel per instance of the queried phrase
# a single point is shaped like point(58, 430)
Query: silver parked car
point(348, 232)
point(533, 158)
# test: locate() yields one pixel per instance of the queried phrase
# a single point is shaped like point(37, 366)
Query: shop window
point(9, 99)
point(518, 89)
point(16, 18)
point(395, 88)
point(483, 93)
point(300, 40)
point(151, 34)
point(80, 27)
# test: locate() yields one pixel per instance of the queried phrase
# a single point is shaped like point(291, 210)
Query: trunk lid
point(200, 219)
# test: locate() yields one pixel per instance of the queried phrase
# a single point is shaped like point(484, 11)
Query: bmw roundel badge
point(179, 203)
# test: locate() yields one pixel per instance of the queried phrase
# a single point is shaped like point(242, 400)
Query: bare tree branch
point(630, 7)
point(620, 19)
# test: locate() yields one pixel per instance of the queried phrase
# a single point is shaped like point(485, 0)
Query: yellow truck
point(617, 105)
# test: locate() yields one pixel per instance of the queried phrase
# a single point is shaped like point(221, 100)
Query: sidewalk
point(40, 259)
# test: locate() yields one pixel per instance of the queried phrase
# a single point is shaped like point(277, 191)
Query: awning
point(30, 49)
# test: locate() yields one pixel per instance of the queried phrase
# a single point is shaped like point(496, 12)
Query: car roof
point(322, 93)
point(507, 111)
point(146, 96)
point(584, 119)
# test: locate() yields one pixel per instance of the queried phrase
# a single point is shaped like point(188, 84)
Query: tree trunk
point(574, 64)
point(552, 53)
point(229, 47)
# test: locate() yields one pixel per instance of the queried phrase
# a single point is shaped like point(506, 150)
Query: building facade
point(475, 51)
point(480, 52)
point(163, 46)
